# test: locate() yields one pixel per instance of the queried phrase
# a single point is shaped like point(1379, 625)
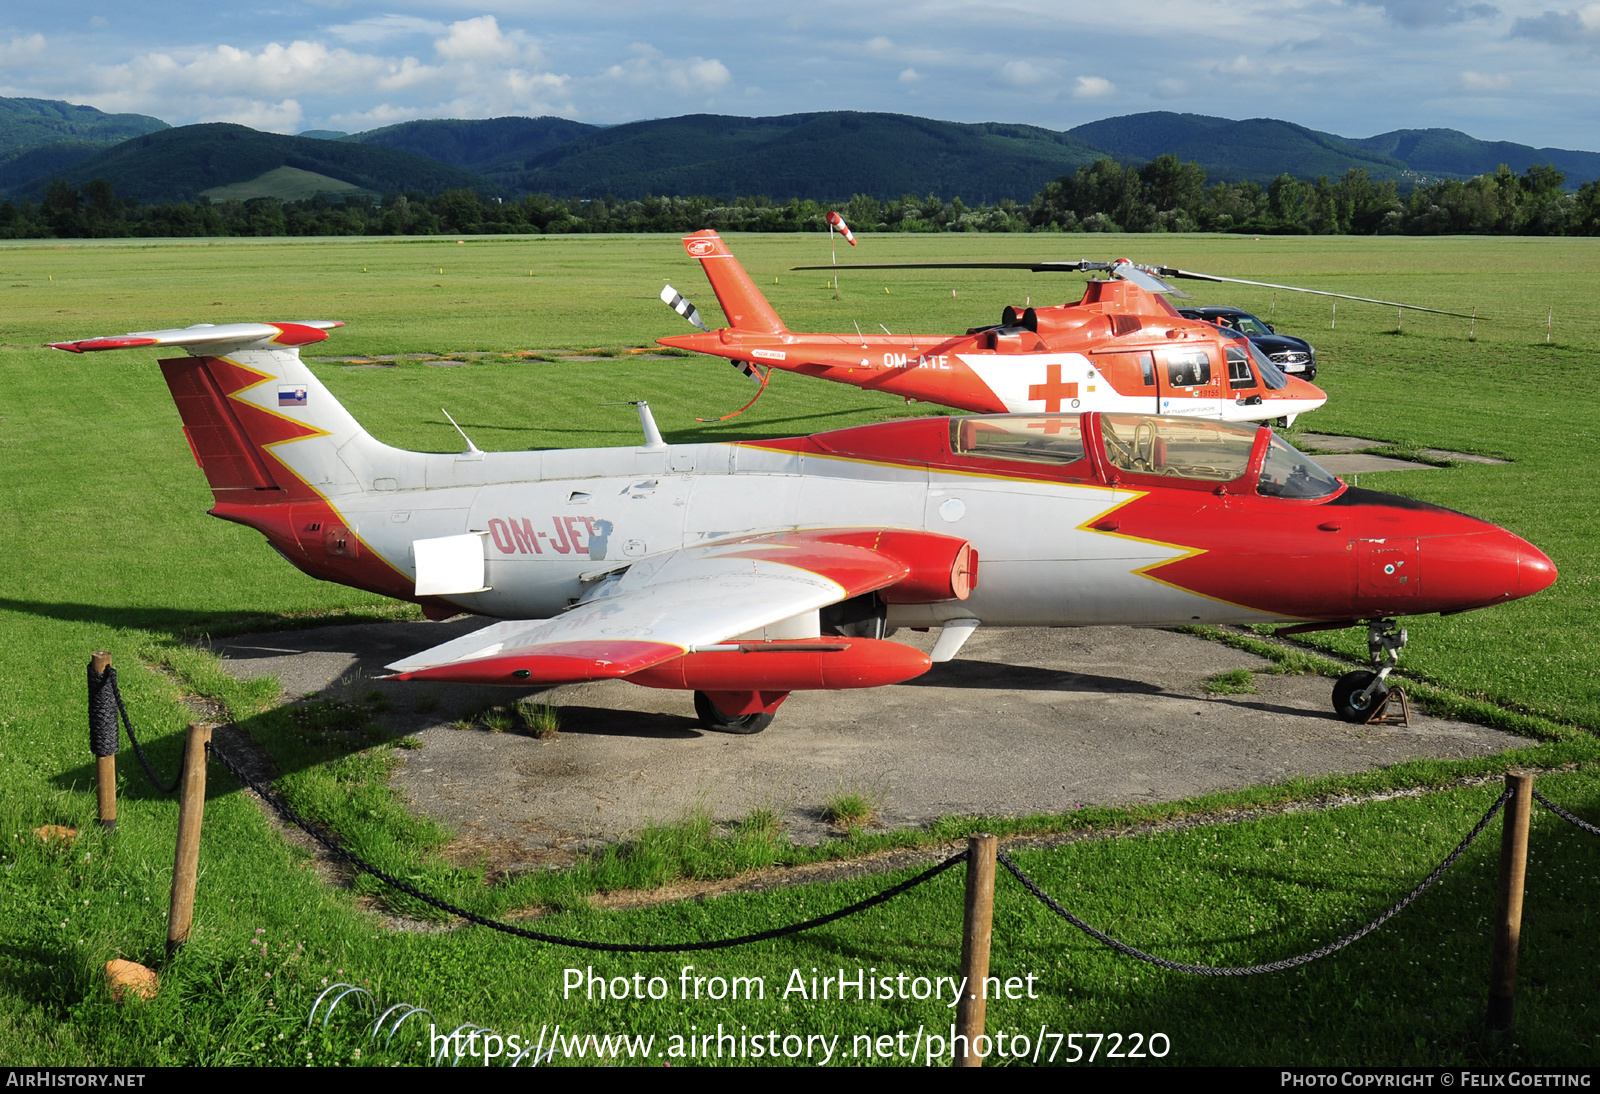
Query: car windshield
point(1271, 374)
point(1289, 473)
point(1035, 438)
point(1248, 324)
point(1186, 448)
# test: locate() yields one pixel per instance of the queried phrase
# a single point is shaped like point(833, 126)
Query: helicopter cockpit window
point(1186, 448)
point(1271, 374)
point(1035, 438)
point(1187, 367)
point(1239, 374)
point(1289, 473)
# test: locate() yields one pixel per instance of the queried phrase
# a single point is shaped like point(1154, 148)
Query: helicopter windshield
point(1036, 438)
point(1271, 374)
point(1290, 473)
point(1186, 448)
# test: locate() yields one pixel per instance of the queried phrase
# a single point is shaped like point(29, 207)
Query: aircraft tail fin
point(743, 303)
point(262, 427)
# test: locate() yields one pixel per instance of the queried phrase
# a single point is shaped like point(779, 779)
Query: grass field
point(105, 544)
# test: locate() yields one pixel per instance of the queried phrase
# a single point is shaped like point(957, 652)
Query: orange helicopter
point(1121, 348)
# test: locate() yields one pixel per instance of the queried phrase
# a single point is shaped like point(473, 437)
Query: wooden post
point(105, 767)
point(191, 807)
point(1508, 911)
point(976, 927)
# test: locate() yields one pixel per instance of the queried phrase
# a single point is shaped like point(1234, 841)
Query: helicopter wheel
point(1349, 702)
point(714, 719)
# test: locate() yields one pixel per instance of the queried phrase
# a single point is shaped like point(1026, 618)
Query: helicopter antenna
point(472, 449)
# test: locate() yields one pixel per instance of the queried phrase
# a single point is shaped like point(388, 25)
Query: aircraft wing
point(662, 608)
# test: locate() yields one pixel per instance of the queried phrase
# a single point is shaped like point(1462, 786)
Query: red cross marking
point(1053, 426)
point(1052, 391)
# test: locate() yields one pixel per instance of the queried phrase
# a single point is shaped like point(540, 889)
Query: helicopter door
point(1188, 382)
point(1243, 387)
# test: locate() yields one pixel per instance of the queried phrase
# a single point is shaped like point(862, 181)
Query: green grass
point(1232, 682)
point(850, 809)
point(106, 546)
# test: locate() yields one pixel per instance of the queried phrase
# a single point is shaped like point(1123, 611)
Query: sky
point(1515, 70)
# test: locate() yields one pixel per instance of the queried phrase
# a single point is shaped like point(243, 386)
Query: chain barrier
point(105, 704)
point(1564, 815)
point(315, 832)
point(1274, 966)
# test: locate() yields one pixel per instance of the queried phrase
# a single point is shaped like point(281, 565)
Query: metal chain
point(1274, 966)
point(1564, 815)
point(109, 678)
point(333, 845)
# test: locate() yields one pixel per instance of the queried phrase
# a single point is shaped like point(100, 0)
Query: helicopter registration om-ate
point(743, 572)
point(1122, 347)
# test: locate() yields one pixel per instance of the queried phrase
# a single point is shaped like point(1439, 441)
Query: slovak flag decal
point(292, 395)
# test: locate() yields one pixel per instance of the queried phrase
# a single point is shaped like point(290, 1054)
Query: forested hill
point(178, 164)
point(1452, 153)
point(488, 146)
point(803, 155)
point(1261, 149)
point(29, 123)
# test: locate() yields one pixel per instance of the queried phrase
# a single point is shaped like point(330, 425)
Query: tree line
point(1164, 195)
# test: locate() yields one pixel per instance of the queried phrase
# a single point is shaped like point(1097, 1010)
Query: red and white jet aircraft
point(748, 570)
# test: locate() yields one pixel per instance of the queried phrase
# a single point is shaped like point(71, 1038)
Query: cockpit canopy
point(1198, 450)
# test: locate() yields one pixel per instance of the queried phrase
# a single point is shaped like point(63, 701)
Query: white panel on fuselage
point(1011, 375)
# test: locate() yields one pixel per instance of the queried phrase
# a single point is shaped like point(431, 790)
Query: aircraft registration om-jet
point(1121, 348)
point(745, 571)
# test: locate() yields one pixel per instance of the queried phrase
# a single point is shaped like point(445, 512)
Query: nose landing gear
point(1358, 694)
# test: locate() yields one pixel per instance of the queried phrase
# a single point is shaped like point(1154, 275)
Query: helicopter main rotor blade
point(1168, 271)
point(1036, 267)
point(1144, 277)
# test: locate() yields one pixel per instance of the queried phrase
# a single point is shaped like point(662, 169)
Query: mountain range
point(824, 155)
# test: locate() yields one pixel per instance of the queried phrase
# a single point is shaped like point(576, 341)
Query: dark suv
point(1295, 356)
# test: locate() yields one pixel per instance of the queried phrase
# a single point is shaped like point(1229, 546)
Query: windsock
point(836, 222)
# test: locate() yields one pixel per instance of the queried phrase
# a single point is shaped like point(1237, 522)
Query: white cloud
point(880, 44)
point(1239, 66)
point(1478, 81)
point(910, 76)
point(480, 41)
point(1093, 87)
point(1023, 74)
point(651, 68)
point(480, 70)
point(385, 28)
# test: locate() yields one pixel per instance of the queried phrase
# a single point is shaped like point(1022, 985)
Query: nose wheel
point(1358, 694)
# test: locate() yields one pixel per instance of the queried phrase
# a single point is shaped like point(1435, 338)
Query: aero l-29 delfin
point(745, 571)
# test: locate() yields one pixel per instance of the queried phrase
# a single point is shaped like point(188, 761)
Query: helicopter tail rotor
point(671, 298)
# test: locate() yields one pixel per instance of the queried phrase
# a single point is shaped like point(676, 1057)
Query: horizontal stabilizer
point(300, 333)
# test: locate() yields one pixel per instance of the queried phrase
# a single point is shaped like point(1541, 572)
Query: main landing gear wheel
point(712, 718)
point(1351, 699)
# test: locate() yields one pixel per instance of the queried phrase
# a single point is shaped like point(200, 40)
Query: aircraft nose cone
point(1535, 571)
point(1475, 571)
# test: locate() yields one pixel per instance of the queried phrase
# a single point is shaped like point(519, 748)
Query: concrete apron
point(1023, 722)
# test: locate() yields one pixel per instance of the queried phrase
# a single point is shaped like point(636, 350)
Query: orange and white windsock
point(836, 222)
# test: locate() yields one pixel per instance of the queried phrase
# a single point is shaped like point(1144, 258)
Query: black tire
point(1347, 699)
point(714, 719)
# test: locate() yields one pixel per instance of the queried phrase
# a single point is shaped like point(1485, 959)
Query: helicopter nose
point(1475, 571)
point(1301, 390)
